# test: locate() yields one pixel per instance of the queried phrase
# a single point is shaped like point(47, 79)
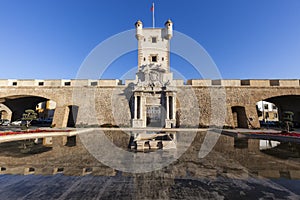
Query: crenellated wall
point(115, 82)
point(107, 101)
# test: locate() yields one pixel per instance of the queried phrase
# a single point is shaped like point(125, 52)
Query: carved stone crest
point(151, 75)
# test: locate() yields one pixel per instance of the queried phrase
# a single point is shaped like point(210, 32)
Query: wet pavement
point(118, 187)
point(234, 169)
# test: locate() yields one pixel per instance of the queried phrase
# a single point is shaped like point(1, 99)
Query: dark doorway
point(73, 112)
point(239, 117)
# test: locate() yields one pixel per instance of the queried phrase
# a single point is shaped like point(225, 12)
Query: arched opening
point(72, 117)
point(239, 117)
point(17, 104)
point(272, 111)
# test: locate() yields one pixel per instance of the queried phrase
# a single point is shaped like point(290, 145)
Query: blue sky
point(49, 39)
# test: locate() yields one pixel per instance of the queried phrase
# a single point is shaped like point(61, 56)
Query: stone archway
point(289, 103)
point(15, 106)
point(19, 103)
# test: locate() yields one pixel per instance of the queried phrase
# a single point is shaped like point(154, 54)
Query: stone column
point(174, 106)
point(135, 107)
point(167, 105)
point(143, 110)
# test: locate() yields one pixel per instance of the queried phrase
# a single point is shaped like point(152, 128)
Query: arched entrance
point(17, 104)
point(287, 103)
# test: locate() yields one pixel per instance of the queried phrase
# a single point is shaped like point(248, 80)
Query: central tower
point(154, 95)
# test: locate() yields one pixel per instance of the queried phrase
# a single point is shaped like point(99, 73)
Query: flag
point(152, 10)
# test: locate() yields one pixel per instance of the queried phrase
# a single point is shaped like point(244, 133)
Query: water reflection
point(283, 150)
point(234, 169)
point(151, 141)
point(267, 144)
point(23, 148)
point(111, 149)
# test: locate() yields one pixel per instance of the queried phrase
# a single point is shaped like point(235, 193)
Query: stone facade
point(195, 104)
point(154, 95)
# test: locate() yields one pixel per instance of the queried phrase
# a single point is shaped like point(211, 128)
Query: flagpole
point(153, 20)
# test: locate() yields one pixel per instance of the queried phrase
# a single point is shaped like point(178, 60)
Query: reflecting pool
point(84, 167)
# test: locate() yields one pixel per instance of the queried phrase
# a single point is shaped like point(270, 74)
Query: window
point(154, 40)
point(162, 58)
point(144, 59)
point(266, 106)
point(274, 107)
point(14, 84)
point(267, 115)
point(41, 83)
point(154, 58)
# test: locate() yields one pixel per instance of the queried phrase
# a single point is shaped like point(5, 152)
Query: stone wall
point(195, 105)
point(204, 102)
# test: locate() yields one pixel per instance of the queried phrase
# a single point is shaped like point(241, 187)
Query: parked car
point(41, 122)
point(5, 122)
point(17, 122)
point(269, 124)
